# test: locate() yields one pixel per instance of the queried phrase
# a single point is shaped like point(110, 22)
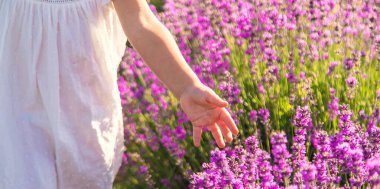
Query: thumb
point(213, 98)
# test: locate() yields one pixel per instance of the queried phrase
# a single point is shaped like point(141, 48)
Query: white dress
point(60, 112)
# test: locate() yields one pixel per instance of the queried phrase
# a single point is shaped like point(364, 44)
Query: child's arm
point(155, 44)
point(153, 41)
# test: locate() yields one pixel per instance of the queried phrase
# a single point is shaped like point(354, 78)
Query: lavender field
point(302, 80)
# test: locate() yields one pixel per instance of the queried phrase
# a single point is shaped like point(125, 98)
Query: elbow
point(148, 21)
point(141, 27)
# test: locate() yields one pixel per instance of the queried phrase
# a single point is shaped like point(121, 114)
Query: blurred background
point(302, 81)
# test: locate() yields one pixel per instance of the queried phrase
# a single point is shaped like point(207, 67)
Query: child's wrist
point(190, 87)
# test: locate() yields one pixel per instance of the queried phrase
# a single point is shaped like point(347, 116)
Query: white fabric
point(60, 117)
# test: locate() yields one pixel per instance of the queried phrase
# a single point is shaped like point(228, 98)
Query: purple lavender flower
point(253, 116)
point(264, 119)
point(153, 109)
point(325, 56)
point(125, 159)
point(362, 115)
point(321, 142)
point(332, 66)
point(298, 149)
point(180, 132)
point(333, 108)
point(302, 75)
point(197, 181)
point(332, 92)
point(282, 168)
point(166, 182)
point(372, 136)
point(261, 88)
point(292, 78)
point(347, 147)
point(123, 89)
point(303, 123)
point(302, 118)
point(227, 176)
point(167, 139)
point(348, 64)
point(309, 172)
point(373, 165)
point(265, 169)
point(351, 82)
point(143, 170)
point(264, 116)
point(251, 144)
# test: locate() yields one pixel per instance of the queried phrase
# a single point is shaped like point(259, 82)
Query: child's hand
point(205, 108)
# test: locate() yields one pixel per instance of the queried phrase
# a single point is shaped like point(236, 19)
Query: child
point(61, 119)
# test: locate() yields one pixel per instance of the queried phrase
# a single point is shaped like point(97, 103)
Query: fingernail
point(230, 138)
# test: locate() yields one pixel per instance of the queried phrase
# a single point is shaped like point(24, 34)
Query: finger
point(207, 118)
point(217, 134)
point(197, 134)
point(213, 98)
point(226, 131)
point(226, 117)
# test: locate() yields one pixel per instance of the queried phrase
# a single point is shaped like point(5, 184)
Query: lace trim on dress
point(58, 1)
point(103, 2)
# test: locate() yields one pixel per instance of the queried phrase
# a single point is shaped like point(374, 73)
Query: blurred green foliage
point(158, 4)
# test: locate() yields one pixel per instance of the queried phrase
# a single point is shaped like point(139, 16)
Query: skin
point(158, 48)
